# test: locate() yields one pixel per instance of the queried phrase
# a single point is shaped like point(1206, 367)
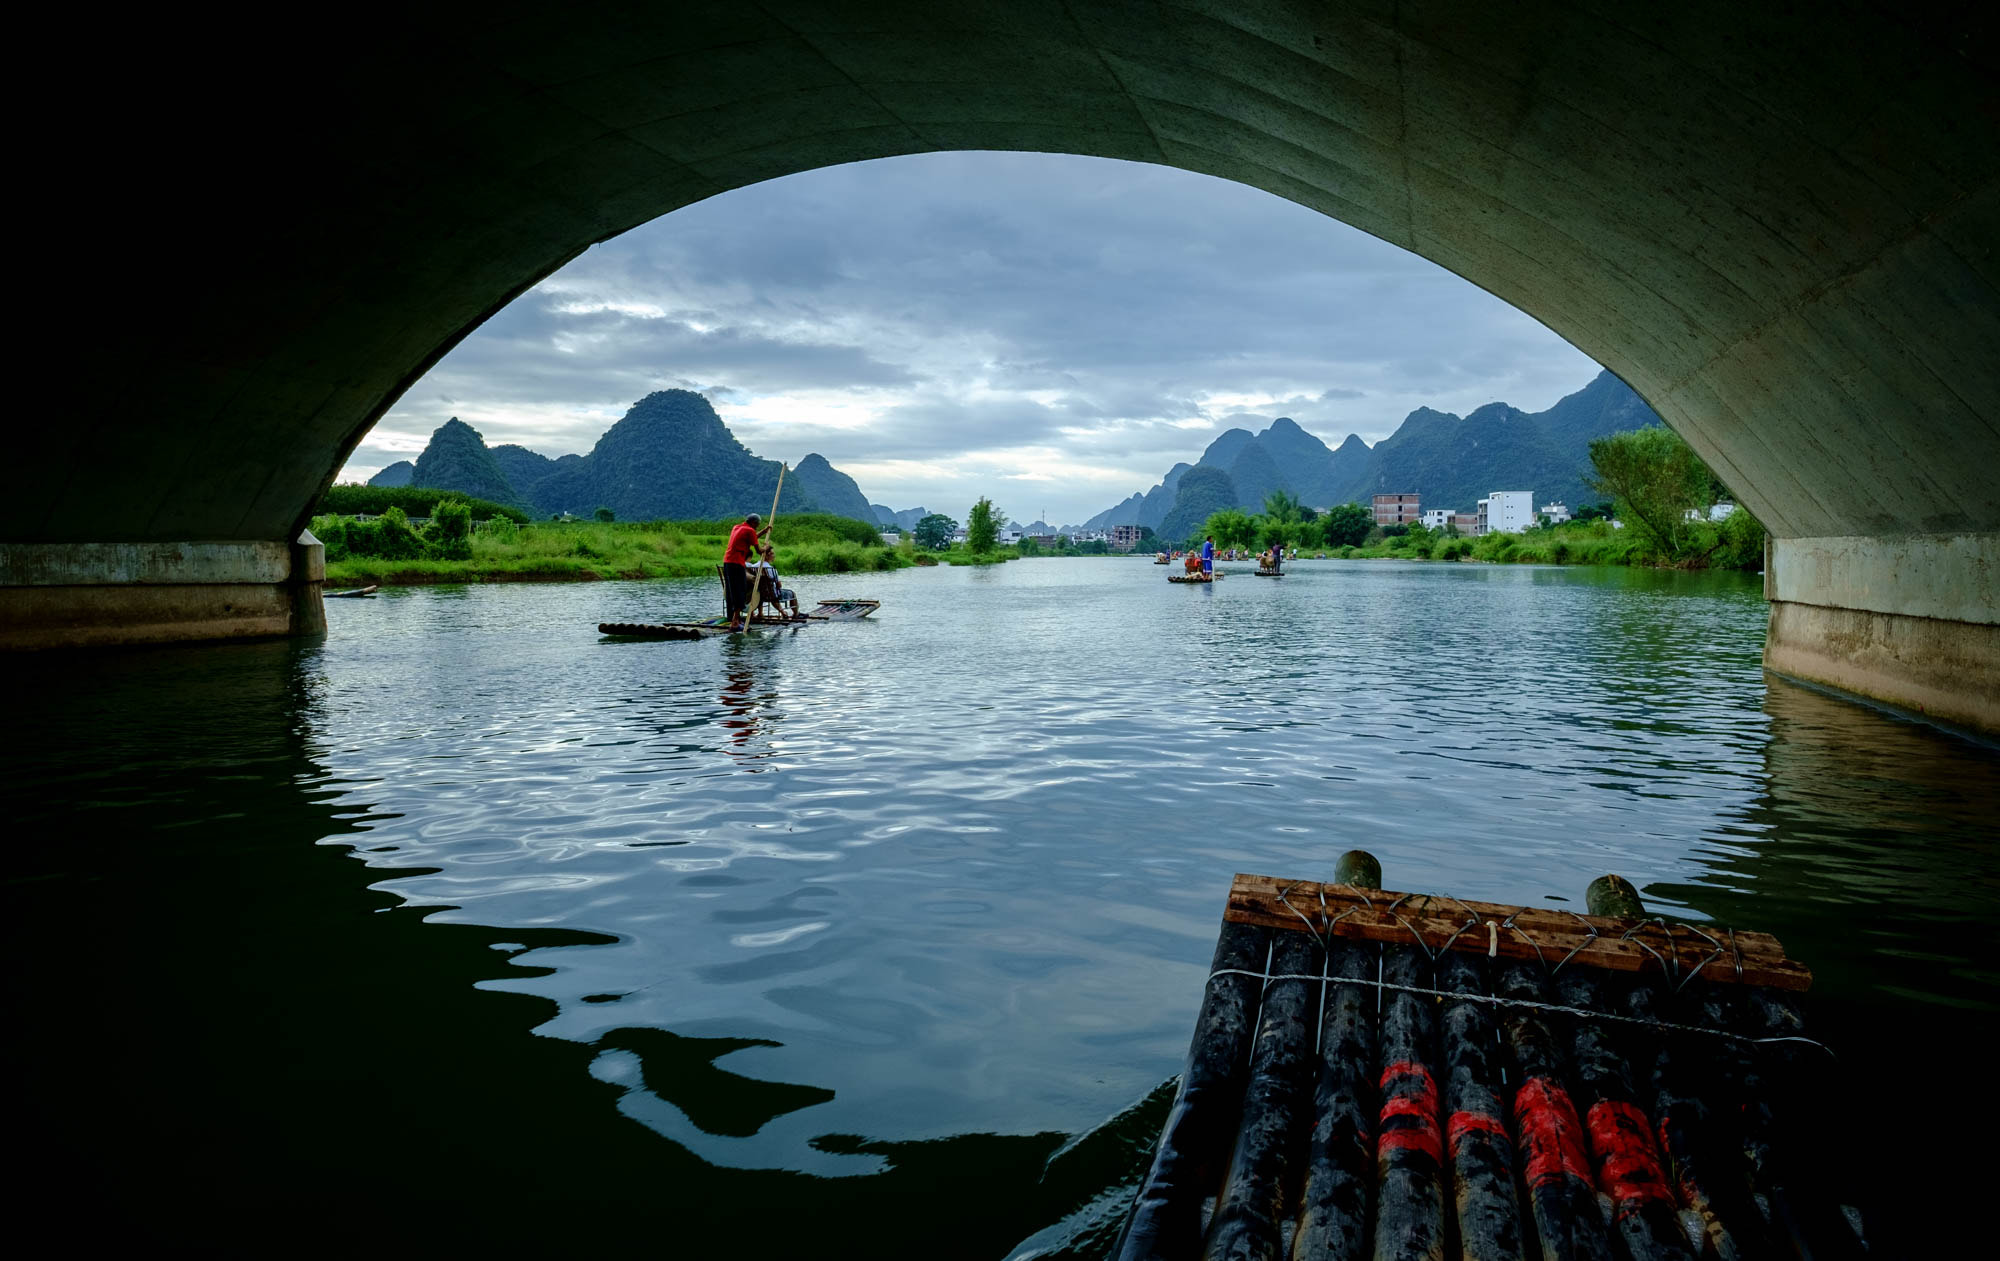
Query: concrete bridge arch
point(1777, 224)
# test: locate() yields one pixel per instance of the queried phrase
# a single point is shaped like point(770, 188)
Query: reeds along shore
point(1352, 1094)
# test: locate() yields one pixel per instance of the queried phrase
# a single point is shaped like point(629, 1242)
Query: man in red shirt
point(735, 569)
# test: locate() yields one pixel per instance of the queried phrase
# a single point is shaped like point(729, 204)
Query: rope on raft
point(1496, 1001)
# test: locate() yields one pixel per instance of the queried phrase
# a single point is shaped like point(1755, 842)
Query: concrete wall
point(66, 595)
point(1777, 223)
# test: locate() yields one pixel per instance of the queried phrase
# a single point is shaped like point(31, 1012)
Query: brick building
point(1397, 509)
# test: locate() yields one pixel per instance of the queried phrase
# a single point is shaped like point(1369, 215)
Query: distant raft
point(825, 611)
point(354, 594)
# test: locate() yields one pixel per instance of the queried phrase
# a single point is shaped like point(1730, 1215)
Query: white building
point(1557, 512)
point(1506, 512)
point(1716, 512)
point(1436, 518)
point(892, 537)
point(1010, 534)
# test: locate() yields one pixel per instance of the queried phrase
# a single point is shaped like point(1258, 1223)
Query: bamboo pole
point(1623, 1152)
point(1409, 1143)
point(1477, 1146)
point(1264, 1171)
point(1562, 1203)
point(1334, 1215)
point(1166, 1217)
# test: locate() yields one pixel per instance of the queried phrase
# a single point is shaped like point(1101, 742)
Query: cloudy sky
point(1051, 331)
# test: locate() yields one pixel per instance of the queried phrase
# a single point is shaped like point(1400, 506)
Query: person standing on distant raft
point(736, 569)
point(1208, 556)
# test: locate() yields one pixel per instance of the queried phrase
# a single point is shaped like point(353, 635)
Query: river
point(886, 938)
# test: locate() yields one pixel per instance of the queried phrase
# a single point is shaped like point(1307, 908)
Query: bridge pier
point(1912, 620)
point(74, 595)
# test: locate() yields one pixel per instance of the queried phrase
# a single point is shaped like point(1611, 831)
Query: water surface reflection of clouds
point(974, 883)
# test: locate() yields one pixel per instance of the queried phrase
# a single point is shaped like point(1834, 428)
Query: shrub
point(394, 537)
point(450, 532)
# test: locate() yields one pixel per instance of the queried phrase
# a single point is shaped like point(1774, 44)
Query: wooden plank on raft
point(1514, 932)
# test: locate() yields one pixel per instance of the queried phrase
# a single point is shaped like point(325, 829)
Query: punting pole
point(1622, 1148)
point(1340, 1163)
point(1409, 1144)
point(1476, 1142)
point(1265, 1170)
point(1166, 1219)
point(1562, 1203)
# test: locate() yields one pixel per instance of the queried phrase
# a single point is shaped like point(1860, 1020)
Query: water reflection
point(749, 703)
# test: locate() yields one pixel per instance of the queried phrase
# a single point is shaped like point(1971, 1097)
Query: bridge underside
point(1778, 226)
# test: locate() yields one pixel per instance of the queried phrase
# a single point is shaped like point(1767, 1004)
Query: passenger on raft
point(736, 596)
point(1191, 563)
point(770, 589)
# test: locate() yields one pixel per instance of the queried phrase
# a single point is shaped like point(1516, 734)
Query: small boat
point(1159, 560)
point(1269, 573)
point(1201, 578)
point(354, 594)
point(825, 611)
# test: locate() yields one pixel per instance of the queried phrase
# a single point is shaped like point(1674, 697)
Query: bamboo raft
point(355, 593)
point(1217, 576)
point(1391, 1075)
point(825, 611)
point(1269, 573)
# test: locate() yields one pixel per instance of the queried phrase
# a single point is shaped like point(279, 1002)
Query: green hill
point(831, 490)
point(1451, 461)
point(668, 458)
point(457, 459)
point(1204, 489)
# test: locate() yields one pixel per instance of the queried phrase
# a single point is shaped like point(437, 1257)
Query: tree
point(982, 530)
point(1348, 524)
point(934, 532)
point(1656, 479)
point(605, 515)
point(1232, 527)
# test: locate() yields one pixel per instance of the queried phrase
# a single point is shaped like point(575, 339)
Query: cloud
point(1069, 325)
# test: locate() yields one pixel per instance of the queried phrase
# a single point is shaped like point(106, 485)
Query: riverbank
point(1723, 545)
point(589, 551)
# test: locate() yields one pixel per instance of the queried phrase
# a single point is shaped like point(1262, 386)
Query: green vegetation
point(353, 499)
point(1736, 542)
point(390, 550)
point(933, 532)
point(1658, 483)
point(982, 532)
point(1660, 491)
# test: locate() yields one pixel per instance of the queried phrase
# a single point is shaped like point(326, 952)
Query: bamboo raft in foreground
point(825, 611)
point(1383, 1075)
point(1217, 576)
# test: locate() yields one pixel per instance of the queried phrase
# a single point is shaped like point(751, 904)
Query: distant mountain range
point(669, 458)
point(1451, 461)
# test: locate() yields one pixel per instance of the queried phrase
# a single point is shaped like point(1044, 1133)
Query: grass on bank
point(390, 551)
